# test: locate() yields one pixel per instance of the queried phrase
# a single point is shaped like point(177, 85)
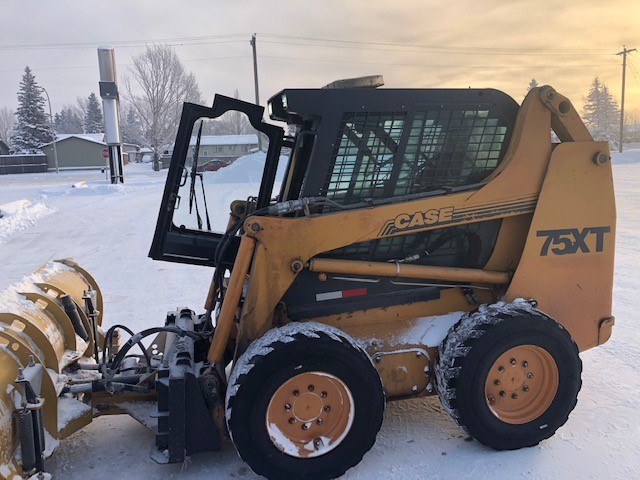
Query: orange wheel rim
point(310, 414)
point(521, 384)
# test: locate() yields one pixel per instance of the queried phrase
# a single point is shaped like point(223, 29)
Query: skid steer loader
point(398, 243)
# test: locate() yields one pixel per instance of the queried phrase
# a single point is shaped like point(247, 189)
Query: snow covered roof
point(97, 137)
point(91, 137)
point(212, 140)
point(226, 140)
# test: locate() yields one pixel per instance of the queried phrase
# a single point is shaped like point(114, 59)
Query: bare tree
point(632, 122)
point(236, 123)
point(157, 88)
point(230, 123)
point(80, 108)
point(7, 122)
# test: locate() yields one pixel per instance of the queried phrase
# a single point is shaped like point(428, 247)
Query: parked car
point(212, 165)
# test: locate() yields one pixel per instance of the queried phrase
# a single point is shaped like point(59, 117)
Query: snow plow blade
point(44, 327)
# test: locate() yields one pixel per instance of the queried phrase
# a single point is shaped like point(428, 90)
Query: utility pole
point(624, 52)
point(255, 80)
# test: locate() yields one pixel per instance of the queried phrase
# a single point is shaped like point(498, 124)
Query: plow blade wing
point(43, 329)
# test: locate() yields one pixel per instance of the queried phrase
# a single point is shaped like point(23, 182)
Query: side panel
point(567, 263)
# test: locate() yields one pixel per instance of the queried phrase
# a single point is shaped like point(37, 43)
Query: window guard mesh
point(445, 147)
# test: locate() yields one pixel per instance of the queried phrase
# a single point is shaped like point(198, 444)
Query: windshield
point(224, 162)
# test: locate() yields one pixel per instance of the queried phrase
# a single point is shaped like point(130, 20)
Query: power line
point(122, 64)
point(304, 41)
point(432, 65)
point(429, 50)
point(443, 47)
point(634, 71)
point(127, 43)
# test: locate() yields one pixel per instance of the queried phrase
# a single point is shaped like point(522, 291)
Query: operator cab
point(351, 145)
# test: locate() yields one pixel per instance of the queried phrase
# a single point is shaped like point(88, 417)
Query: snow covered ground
point(108, 230)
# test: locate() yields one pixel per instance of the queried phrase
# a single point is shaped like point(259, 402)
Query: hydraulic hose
point(107, 341)
point(135, 339)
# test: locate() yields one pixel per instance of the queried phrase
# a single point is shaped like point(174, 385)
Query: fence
point(23, 164)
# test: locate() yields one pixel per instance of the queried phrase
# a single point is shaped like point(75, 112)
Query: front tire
point(509, 375)
point(304, 401)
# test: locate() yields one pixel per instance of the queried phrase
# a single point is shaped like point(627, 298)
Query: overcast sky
point(479, 43)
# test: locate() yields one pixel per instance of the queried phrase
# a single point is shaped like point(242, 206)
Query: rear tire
point(509, 375)
point(304, 402)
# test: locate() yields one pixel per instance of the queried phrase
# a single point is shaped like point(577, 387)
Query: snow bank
point(246, 169)
point(628, 156)
point(19, 215)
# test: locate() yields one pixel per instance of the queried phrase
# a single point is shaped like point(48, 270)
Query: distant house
point(145, 154)
point(131, 151)
point(632, 132)
point(77, 152)
point(224, 148)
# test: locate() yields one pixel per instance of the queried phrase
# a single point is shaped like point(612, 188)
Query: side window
point(450, 148)
point(363, 158)
point(379, 155)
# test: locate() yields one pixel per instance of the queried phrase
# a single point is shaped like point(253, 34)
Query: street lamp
point(55, 150)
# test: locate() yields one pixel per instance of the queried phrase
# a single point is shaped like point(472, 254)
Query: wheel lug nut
point(492, 400)
point(496, 382)
point(323, 394)
point(525, 364)
point(501, 369)
point(317, 443)
point(529, 375)
point(513, 361)
point(327, 408)
point(502, 393)
point(319, 421)
point(305, 426)
point(311, 388)
point(514, 395)
point(287, 406)
point(292, 420)
point(296, 393)
point(525, 388)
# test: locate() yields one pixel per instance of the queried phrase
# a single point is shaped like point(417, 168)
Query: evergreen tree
point(93, 116)
point(67, 121)
point(32, 128)
point(532, 84)
point(601, 113)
